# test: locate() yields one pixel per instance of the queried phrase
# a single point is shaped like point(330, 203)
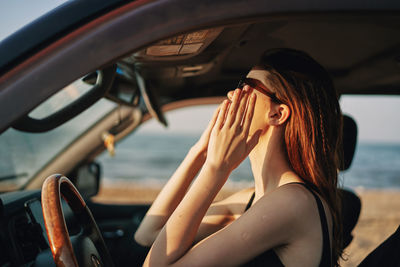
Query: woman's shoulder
point(295, 196)
point(292, 203)
point(294, 191)
point(296, 204)
point(303, 197)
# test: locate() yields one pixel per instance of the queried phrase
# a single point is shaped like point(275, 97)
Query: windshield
point(23, 154)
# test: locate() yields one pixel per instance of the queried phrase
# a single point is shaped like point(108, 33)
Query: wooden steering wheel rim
point(59, 239)
point(55, 187)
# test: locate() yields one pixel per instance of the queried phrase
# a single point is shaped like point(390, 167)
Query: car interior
point(188, 67)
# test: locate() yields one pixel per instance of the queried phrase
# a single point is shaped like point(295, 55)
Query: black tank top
point(270, 258)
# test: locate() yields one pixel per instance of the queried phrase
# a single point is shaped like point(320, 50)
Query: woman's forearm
point(170, 197)
point(173, 192)
point(178, 234)
point(229, 144)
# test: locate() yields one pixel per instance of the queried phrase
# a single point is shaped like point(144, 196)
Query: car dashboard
point(23, 238)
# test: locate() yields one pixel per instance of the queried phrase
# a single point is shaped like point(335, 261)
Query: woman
point(287, 119)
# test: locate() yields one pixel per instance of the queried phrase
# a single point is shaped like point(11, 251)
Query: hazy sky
point(16, 13)
point(377, 117)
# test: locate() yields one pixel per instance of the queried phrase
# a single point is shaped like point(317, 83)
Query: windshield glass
point(61, 99)
point(23, 154)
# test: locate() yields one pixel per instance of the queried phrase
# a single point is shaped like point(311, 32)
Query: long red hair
point(314, 130)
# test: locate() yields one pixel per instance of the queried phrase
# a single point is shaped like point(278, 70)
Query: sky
point(377, 117)
point(14, 14)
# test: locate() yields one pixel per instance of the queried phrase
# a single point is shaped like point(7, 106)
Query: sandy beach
point(379, 218)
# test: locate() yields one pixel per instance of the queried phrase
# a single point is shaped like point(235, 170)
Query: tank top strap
point(250, 201)
point(326, 259)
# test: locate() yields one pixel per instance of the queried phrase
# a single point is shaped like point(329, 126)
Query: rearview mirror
point(68, 103)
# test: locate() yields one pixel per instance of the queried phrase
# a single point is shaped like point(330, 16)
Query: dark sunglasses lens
point(244, 82)
point(241, 84)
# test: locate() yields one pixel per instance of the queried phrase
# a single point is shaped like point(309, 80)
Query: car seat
point(386, 254)
point(351, 204)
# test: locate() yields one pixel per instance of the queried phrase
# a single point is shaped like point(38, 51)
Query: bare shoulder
point(303, 198)
point(295, 197)
point(291, 202)
point(297, 205)
point(296, 194)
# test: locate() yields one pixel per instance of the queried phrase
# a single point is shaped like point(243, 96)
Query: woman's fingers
point(204, 138)
point(249, 113)
point(235, 110)
point(230, 94)
point(230, 143)
point(221, 114)
point(230, 119)
point(242, 107)
point(213, 119)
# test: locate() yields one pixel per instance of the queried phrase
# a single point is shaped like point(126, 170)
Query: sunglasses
point(253, 84)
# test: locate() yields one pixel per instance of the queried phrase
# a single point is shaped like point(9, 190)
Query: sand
point(379, 218)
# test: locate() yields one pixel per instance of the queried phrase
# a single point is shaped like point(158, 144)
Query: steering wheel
point(90, 249)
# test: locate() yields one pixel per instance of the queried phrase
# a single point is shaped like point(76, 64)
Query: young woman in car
point(287, 119)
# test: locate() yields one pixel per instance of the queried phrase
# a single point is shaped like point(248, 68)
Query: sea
point(150, 159)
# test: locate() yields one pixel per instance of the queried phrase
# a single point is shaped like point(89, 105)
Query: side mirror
point(86, 179)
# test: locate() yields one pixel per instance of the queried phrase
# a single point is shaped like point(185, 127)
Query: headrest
point(349, 141)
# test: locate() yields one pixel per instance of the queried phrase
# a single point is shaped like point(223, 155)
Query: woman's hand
point(229, 142)
point(202, 144)
point(175, 189)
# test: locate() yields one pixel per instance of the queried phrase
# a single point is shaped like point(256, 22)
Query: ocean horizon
point(150, 159)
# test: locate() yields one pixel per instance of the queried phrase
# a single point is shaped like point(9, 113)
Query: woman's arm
point(228, 146)
point(169, 198)
point(281, 218)
point(223, 212)
point(175, 189)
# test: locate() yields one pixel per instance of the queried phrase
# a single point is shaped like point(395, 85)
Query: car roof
point(357, 41)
